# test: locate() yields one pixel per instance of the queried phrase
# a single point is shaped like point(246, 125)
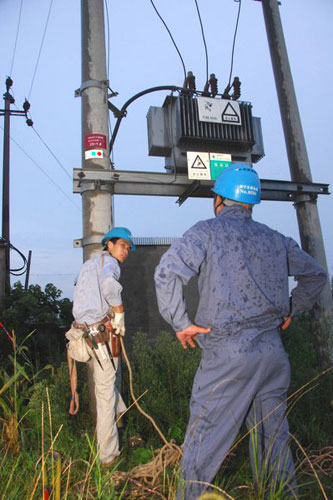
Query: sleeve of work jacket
point(310, 277)
point(177, 266)
point(110, 287)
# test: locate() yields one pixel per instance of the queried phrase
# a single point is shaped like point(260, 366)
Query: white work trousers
point(109, 404)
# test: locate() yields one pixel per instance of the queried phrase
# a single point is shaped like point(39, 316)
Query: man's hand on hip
point(189, 335)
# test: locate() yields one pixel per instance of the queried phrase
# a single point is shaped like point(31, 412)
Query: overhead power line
point(51, 152)
point(173, 41)
point(108, 32)
point(16, 38)
point(40, 49)
point(234, 40)
point(42, 170)
point(203, 38)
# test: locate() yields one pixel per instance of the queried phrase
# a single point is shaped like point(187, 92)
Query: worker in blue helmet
point(94, 336)
point(242, 268)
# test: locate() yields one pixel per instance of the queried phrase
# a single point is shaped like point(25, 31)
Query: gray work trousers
point(246, 379)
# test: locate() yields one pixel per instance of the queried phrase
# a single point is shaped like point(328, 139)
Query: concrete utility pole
point(306, 206)
point(96, 198)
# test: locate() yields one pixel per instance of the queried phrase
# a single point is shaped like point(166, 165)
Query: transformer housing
point(175, 128)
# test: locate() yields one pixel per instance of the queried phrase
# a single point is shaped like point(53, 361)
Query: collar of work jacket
point(235, 211)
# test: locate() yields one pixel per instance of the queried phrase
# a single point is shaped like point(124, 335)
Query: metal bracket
point(188, 192)
point(116, 112)
point(301, 198)
point(102, 84)
point(94, 184)
point(88, 240)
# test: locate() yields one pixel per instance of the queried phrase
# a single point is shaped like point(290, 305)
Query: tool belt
point(103, 329)
point(85, 327)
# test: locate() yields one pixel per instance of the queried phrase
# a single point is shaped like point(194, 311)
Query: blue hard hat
point(239, 182)
point(119, 232)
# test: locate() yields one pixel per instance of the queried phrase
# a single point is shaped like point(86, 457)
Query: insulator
point(9, 83)
point(236, 86)
point(26, 105)
point(213, 84)
point(29, 122)
point(191, 81)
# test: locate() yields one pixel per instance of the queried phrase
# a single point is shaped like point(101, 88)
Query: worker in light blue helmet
point(95, 335)
point(242, 268)
point(116, 233)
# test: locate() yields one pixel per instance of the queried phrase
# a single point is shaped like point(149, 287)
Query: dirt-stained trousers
point(109, 403)
point(245, 380)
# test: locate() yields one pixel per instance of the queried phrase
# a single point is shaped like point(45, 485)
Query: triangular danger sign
point(198, 163)
point(230, 114)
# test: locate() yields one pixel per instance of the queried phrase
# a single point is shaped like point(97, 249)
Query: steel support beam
point(129, 182)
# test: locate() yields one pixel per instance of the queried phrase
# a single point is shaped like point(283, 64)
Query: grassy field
point(44, 451)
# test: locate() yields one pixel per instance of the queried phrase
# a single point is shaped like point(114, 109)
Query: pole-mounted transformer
point(191, 122)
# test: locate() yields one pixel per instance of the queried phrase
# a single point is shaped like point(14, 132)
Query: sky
point(45, 215)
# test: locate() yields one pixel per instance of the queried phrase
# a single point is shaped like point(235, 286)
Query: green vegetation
point(35, 426)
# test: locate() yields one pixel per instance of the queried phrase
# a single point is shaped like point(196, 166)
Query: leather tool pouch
point(115, 344)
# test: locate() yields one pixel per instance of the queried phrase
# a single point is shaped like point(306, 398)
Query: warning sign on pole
point(94, 141)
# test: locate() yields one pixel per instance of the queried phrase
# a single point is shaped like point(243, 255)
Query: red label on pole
point(95, 141)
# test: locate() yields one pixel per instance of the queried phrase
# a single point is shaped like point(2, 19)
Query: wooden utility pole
point(306, 206)
point(5, 250)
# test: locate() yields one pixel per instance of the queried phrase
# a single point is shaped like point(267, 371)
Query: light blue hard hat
point(119, 232)
point(239, 182)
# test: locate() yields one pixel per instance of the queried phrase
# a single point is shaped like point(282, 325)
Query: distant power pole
point(5, 240)
point(306, 208)
point(96, 198)
point(8, 98)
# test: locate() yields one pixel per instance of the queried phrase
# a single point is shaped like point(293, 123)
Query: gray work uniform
point(96, 290)
point(243, 268)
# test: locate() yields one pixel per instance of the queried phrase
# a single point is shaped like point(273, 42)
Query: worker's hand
point(286, 323)
point(118, 323)
point(74, 404)
point(189, 335)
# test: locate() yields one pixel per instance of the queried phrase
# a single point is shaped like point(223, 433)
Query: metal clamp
point(302, 198)
point(88, 240)
point(101, 84)
point(97, 184)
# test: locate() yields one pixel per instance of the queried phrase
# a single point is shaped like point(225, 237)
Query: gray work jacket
point(243, 268)
point(97, 288)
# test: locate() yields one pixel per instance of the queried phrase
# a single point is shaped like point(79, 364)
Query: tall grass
point(42, 446)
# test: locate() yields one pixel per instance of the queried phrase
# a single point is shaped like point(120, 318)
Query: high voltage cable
point(108, 69)
point(108, 32)
point(234, 41)
point(203, 38)
point(173, 41)
point(16, 38)
point(40, 49)
point(42, 170)
point(54, 274)
point(50, 150)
